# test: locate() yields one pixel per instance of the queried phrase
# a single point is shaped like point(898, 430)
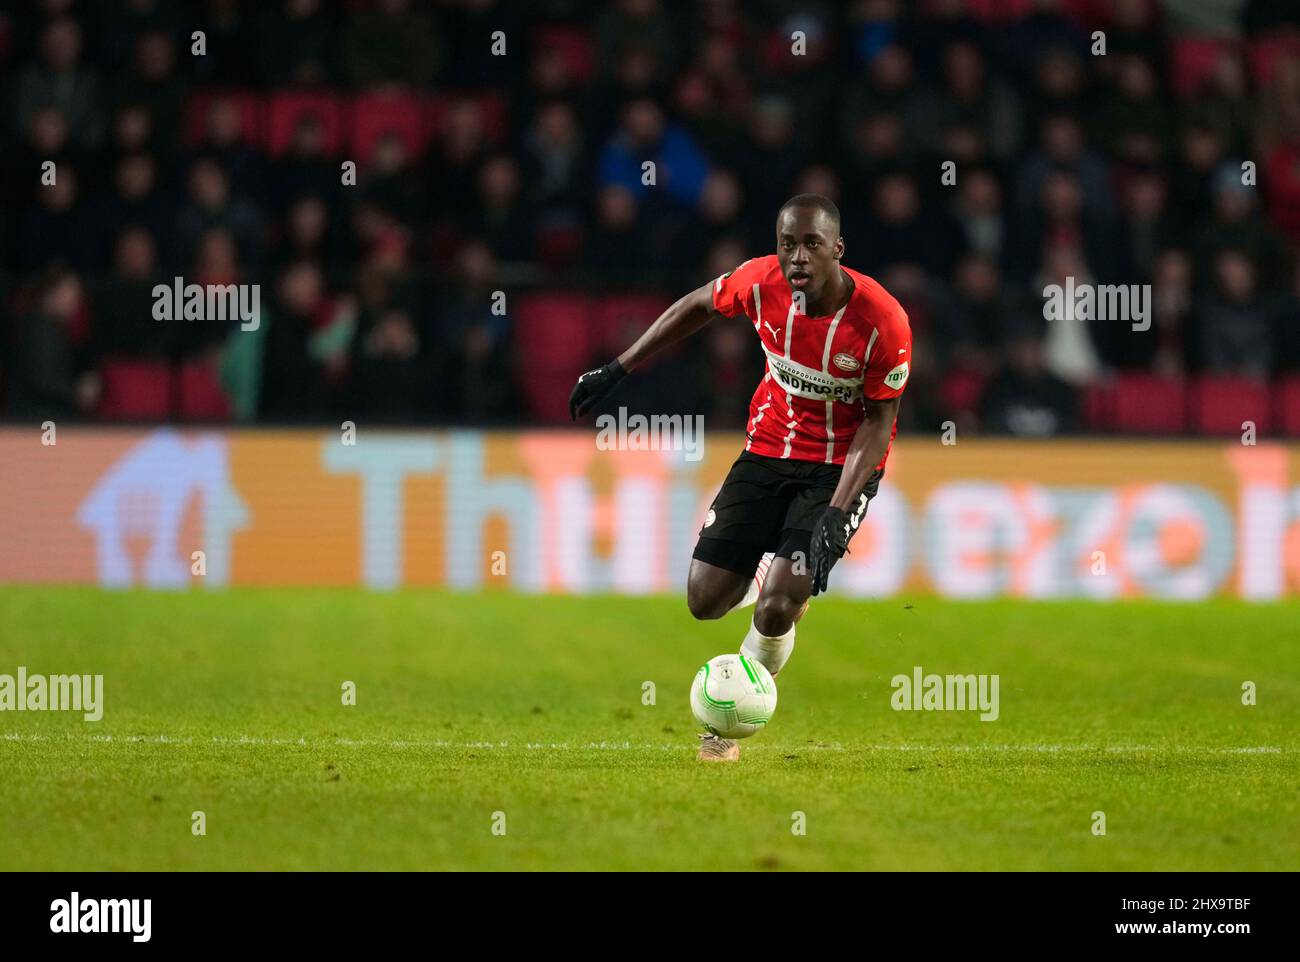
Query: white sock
point(773, 652)
point(756, 583)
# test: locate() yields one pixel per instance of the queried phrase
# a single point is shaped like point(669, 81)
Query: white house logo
point(75, 915)
point(145, 494)
point(846, 362)
point(897, 377)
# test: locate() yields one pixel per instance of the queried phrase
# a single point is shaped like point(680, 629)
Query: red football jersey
point(809, 403)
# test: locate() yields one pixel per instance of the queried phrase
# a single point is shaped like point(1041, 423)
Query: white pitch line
point(644, 746)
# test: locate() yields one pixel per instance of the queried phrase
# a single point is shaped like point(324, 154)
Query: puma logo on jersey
point(776, 331)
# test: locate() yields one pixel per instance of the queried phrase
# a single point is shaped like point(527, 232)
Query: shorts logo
point(846, 362)
point(712, 517)
point(897, 377)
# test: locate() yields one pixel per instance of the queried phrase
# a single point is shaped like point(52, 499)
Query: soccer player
point(820, 426)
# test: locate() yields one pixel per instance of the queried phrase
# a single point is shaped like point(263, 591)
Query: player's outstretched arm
point(686, 316)
point(831, 536)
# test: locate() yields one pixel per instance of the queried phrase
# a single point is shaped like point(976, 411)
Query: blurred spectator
point(1026, 399)
point(969, 96)
point(901, 230)
point(134, 199)
point(643, 136)
point(391, 42)
point(124, 323)
point(296, 43)
point(1071, 348)
point(1236, 319)
point(1235, 224)
point(155, 83)
point(1148, 226)
point(56, 228)
point(60, 80)
point(480, 385)
point(621, 239)
point(47, 378)
point(502, 216)
point(391, 376)
point(978, 212)
point(305, 168)
point(212, 204)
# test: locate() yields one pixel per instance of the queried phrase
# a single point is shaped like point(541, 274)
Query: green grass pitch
point(469, 705)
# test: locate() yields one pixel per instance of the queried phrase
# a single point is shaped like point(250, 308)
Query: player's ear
point(839, 248)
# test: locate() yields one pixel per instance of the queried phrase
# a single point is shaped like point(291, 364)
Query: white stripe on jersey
point(830, 405)
point(758, 311)
point(830, 432)
point(830, 339)
point(789, 328)
point(754, 424)
point(875, 333)
point(792, 424)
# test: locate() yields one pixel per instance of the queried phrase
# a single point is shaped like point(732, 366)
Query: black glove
point(830, 539)
point(593, 386)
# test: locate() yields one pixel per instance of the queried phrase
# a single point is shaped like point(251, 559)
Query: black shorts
point(771, 504)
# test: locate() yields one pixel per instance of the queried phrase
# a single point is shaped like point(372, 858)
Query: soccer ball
point(733, 696)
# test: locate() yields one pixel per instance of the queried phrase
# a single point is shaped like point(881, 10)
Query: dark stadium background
point(520, 173)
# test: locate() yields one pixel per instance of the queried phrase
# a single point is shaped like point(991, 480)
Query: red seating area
point(1209, 405)
point(557, 335)
point(149, 390)
point(134, 390)
point(351, 124)
point(1192, 60)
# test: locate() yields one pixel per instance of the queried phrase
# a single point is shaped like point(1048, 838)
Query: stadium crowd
point(499, 235)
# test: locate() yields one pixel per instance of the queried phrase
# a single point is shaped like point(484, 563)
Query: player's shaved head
point(813, 202)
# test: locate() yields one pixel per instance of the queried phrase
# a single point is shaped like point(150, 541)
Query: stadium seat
point(1192, 61)
point(1287, 397)
point(1099, 407)
point(960, 391)
point(547, 394)
point(1263, 54)
point(374, 115)
point(1220, 404)
point(135, 390)
point(559, 244)
point(574, 47)
point(553, 332)
point(491, 111)
point(201, 396)
point(287, 108)
point(553, 329)
point(252, 114)
point(612, 315)
point(1147, 403)
point(999, 11)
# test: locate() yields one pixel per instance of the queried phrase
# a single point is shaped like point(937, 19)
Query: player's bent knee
point(706, 607)
point(775, 613)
